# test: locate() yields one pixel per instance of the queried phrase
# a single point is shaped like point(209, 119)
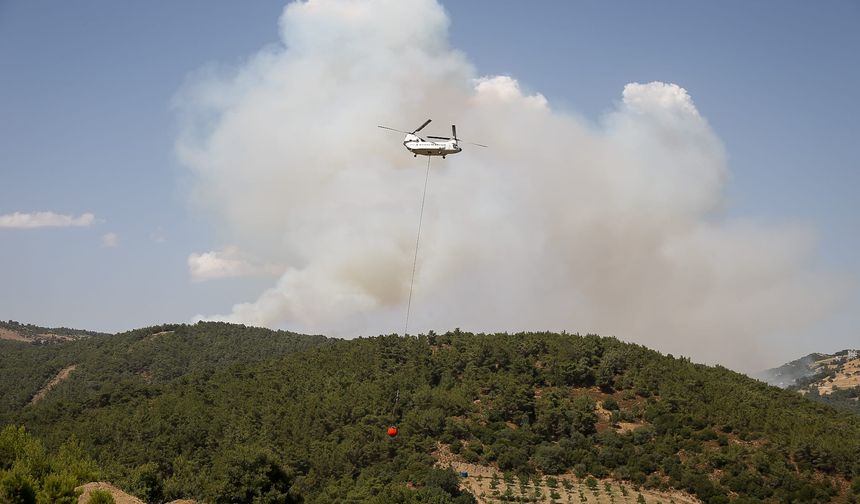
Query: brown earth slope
point(9, 334)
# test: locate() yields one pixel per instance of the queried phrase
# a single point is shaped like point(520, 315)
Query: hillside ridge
point(30, 333)
point(832, 379)
point(201, 411)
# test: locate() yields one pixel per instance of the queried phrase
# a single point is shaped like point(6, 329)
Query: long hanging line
point(417, 240)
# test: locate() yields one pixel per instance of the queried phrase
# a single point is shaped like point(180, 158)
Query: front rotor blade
point(422, 126)
point(392, 129)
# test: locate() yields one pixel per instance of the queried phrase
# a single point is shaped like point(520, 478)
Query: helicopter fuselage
point(419, 146)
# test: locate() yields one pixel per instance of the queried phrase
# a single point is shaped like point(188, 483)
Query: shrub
point(252, 476)
point(101, 497)
point(17, 488)
point(444, 479)
point(59, 489)
point(550, 459)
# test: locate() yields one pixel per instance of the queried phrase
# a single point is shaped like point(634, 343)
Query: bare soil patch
point(118, 495)
point(8, 334)
point(629, 426)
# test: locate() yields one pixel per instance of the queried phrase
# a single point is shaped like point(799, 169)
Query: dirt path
point(62, 375)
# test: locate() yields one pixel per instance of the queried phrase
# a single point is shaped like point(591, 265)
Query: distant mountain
point(29, 333)
point(829, 378)
point(227, 413)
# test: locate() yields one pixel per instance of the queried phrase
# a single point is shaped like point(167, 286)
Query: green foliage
point(146, 482)
point(447, 481)
point(114, 369)
point(101, 497)
point(19, 449)
point(73, 460)
point(551, 459)
point(225, 413)
point(254, 476)
point(583, 419)
point(17, 487)
point(184, 480)
point(28, 473)
point(58, 488)
point(512, 458)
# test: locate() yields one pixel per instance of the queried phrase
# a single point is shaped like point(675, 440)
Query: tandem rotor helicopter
point(417, 145)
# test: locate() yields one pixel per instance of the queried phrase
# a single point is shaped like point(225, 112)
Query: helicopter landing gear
point(443, 157)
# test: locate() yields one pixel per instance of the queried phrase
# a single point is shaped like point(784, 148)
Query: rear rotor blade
point(472, 143)
point(439, 138)
point(392, 129)
point(454, 131)
point(422, 126)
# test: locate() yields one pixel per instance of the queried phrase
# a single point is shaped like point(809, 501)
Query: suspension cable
point(417, 241)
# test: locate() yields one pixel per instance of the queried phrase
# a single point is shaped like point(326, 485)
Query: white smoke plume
point(560, 224)
point(228, 262)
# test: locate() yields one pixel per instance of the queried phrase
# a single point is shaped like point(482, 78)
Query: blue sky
point(87, 93)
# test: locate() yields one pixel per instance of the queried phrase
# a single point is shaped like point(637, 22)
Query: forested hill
point(833, 379)
point(16, 331)
point(145, 361)
point(176, 412)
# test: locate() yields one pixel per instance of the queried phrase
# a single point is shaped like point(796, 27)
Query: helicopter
point(417, 145)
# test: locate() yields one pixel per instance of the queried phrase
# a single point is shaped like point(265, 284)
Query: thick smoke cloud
point(560, 224)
